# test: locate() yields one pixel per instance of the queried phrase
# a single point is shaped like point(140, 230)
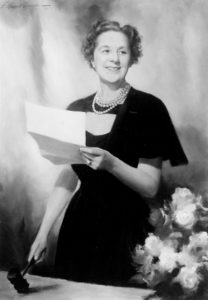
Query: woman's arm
point(57, 202)
point(144, 179)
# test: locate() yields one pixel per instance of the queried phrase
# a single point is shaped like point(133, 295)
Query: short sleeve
point(160, 137)
point(77, 105)
point(83, 104)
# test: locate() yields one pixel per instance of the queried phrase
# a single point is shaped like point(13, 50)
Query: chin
point(113, 80)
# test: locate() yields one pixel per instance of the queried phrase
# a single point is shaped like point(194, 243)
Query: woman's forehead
point(112, 38)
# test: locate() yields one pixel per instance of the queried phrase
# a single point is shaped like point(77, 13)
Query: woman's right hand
point(38, 248)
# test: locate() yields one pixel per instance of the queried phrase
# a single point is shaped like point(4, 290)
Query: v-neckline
point(118, 119)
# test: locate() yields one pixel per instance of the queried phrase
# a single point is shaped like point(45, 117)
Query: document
point(58, 133)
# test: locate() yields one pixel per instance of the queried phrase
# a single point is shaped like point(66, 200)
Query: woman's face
point(112, 57)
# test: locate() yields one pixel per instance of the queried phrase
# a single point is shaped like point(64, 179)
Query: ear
point(131, 62)
point(93, 64)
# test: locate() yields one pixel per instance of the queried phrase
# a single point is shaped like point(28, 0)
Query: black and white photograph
point(103, 149)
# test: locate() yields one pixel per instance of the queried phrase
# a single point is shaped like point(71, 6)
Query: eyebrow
point(107, 46)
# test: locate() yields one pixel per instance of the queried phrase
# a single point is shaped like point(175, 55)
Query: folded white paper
point(59, 133)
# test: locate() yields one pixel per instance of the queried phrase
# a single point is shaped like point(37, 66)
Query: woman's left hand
point(97, 158)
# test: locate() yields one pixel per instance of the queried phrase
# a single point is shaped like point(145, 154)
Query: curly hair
point(101, 26)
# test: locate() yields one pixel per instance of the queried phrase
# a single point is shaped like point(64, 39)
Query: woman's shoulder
point(82, 104)
point(147, 102)
point(147, 99)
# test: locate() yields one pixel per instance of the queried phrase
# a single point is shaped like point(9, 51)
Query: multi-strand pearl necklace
point(119, 99)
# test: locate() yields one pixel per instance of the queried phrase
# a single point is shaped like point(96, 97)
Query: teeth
point(113, 68)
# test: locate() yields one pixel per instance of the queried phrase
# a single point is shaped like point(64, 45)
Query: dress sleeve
point(160, 137)
point(83, 104)
point(77, 105)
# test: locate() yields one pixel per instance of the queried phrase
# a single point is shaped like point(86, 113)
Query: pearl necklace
point(116, 101)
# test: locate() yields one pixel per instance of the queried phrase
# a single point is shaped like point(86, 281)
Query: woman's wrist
point(112, 163)
point(43, 232)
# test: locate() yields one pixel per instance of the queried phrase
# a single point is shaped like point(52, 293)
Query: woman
point(129, 133)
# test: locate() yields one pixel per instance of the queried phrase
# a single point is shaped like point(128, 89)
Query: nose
point(114, 56)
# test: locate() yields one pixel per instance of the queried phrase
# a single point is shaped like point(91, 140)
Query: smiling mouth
point(113, 69)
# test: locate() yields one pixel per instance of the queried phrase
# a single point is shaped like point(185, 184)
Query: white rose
point(185, 258)
point(198, 244)
point(182, 197)
point(186, 217)
point(168, 259)
point(153, 245)
point(199, 239)
point(189, 278)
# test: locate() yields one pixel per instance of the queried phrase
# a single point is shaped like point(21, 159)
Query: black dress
point(106, 219)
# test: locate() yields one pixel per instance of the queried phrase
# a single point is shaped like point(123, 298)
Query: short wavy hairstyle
point(102, 26)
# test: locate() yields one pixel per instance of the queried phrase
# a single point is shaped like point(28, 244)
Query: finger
point(32, 252)
point(35, 252)
point(87, 156)
point(92, 150)
point(39, 255)
point(30, 256)
point(87, 160)
point(85, 149)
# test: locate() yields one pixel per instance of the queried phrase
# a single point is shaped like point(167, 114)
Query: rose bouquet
point(174, 260)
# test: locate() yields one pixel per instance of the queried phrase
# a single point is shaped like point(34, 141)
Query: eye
point(105, 51)
point(123, 52)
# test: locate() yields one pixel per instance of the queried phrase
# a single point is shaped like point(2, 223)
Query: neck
point(110, 103)
point(109, 91)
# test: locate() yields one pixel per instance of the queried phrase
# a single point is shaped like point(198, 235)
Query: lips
point(113, 69)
